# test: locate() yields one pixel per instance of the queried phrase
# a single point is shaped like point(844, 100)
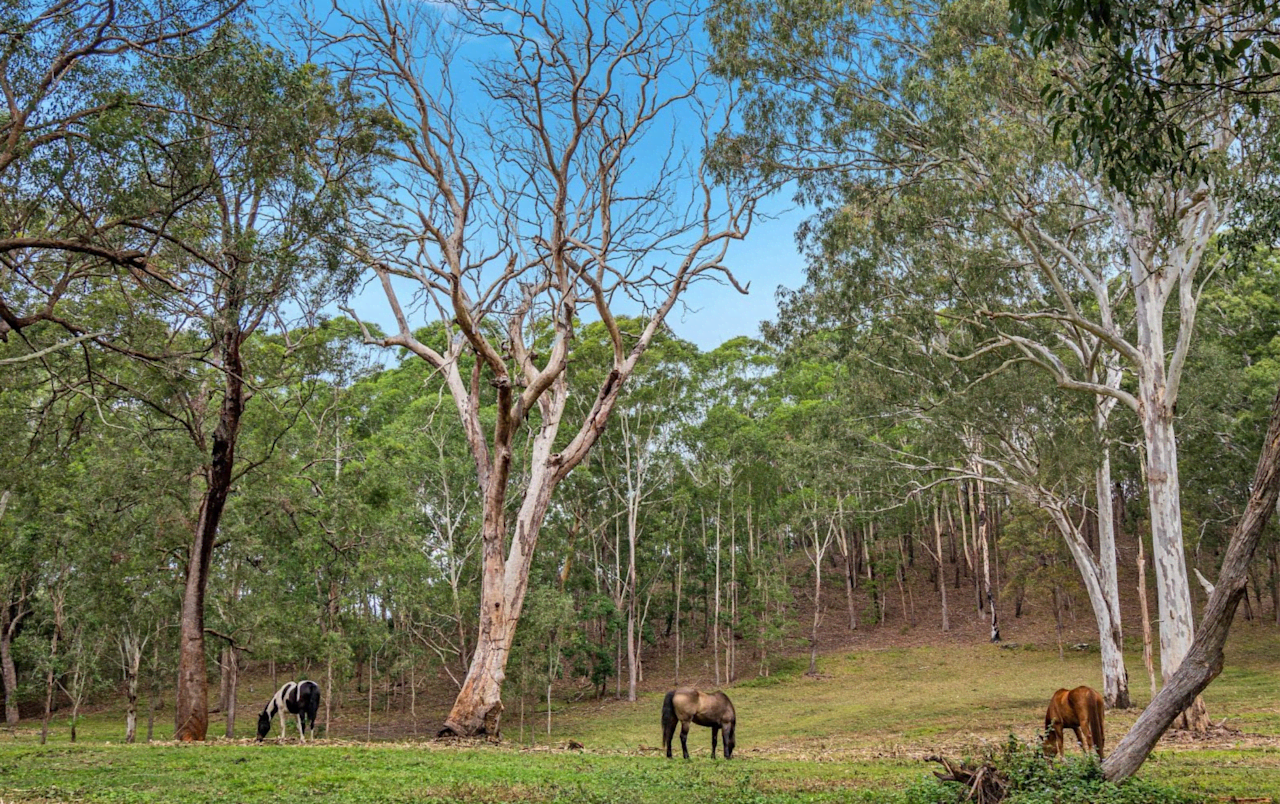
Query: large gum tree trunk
point(1173, 590)
point(1161, 276)
point(477, 710)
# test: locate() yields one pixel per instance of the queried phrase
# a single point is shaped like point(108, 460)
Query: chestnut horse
point(1080, 710)
point(704, 708)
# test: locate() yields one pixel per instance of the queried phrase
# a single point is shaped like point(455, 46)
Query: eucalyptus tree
point(71, 199)
point(922, 132)
point(274, 151)
point(1149, 70)
point(552, 178)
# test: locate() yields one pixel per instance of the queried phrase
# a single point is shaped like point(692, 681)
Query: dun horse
point(301, 698)
point(1080, 710)
point(704, 708)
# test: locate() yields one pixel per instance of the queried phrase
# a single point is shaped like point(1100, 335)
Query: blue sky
point(767, 258)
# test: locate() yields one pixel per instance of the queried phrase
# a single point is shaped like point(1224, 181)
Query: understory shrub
point(1023, 775)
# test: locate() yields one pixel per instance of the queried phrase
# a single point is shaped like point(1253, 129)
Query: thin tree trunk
point(233, 682)
point(368, 718)
point(632, 656)
point(983, 532)
point(131, 660)
point(1274, 561)
point(733, 600)
point(328, 692)
point(820, 545)
point(12, 612)
point(1146, 616)
point(1115, 678)
point(942, 581)
point(849, 579)
point(58, 598)
point(715, 623)
point(1057, 617)
point(679, 596)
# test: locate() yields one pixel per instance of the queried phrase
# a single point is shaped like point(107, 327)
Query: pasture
point(859, 731)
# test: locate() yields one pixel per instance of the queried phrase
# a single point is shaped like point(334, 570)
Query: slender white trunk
point(633, 513)
point(679, 593)
point(1115, 678)
point(715, 625)
point(942, 580)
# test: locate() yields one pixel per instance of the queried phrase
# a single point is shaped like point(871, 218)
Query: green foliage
point(1031, 778)
point(1152, 69)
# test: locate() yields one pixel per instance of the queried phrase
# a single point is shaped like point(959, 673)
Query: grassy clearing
point(232, 772)
point(858, 732)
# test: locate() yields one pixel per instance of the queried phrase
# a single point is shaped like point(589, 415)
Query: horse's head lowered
point(264, 725)
point(1049, 743)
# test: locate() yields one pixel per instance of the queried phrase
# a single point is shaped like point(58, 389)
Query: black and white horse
point(301, 698)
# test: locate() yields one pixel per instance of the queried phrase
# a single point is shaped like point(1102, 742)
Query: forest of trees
point(1008, 352)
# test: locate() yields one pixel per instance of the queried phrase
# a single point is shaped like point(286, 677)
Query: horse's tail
point(1095, 721)
point(669, 710)
point(309, 697)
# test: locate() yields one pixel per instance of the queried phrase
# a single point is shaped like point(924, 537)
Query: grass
point(234, 772)
point(859, 731)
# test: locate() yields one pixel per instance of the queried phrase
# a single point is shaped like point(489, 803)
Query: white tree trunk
point(1115, 678)
point(1156, 270)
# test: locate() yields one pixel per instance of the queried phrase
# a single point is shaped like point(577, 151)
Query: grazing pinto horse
point(1080, 710)
point(301, 698)
point(704, 708)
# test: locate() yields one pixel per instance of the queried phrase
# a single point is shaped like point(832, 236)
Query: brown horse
point(1080, 710)
point(704, 708)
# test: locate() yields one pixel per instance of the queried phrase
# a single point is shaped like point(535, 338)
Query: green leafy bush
point(1031, 778)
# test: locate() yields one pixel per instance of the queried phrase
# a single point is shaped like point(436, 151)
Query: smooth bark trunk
point(942, 581)
point(1115, 677)
point(192, 700)
point(7, 668)
point(232, 672)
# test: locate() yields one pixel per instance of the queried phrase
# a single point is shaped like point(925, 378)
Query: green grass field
point(860, 731)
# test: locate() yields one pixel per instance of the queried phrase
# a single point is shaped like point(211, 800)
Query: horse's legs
point(1080, 738)
point(283, 731)
point(684, 738)
point(715, 732)
point(1086, 735)
point(668, 731)
point(302, 727)
point(1058, 749)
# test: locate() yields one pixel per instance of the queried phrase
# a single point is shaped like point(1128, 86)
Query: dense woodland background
point(902, 456)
